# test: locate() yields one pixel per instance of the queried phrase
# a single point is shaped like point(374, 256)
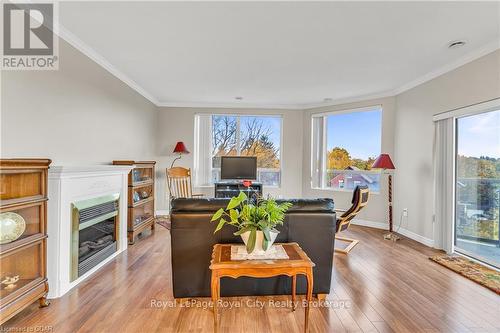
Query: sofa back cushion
point(191, 205)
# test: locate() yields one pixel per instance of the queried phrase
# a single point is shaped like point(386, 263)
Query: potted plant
point(255, 222)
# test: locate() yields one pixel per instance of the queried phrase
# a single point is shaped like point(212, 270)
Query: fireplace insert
point(95, 231)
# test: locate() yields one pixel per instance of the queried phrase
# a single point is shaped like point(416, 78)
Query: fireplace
point(95, 230)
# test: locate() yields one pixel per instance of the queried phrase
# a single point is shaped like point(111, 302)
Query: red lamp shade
point(383, 162)
point(180, 148)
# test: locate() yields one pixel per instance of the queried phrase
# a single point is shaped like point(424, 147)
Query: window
point(477, 187)
point(344, 146)
point(238, 135)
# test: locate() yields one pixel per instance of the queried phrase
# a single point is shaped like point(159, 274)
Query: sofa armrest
point(315, 233)
point(192, 239)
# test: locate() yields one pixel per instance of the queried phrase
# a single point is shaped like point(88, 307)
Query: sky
point(479, 135)
point(360, 133)
point(274, 123)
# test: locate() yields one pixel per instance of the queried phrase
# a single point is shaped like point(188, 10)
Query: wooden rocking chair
point(179, 183)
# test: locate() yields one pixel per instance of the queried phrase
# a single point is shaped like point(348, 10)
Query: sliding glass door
point(477, 188)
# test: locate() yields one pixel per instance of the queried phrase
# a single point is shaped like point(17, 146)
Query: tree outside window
point(349, 143)
point(258, 136)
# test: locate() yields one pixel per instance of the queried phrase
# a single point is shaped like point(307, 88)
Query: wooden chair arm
point(198, 195)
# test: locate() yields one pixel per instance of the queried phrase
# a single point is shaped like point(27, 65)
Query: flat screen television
point(238, 167)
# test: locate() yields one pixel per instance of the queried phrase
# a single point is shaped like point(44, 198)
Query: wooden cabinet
point(141, 197)
point(23, 234)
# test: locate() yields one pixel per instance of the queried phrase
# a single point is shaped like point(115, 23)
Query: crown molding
point(81, 46)
point(469, 57)
point(349, 100)
point(235, 105)
point(77, 43)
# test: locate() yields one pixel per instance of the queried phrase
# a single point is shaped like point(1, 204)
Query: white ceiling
point(277, 54)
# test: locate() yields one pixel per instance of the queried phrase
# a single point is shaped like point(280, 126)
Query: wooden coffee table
point(298, 263)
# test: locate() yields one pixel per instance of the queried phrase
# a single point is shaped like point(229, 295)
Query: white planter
point(258, 241)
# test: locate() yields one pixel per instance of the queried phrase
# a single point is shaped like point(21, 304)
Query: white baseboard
point(416, 237)
point(407, 233)
point(371, 224)
point(162, 212)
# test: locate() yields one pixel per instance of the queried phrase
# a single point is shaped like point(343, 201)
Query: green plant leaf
point(234, 202)
point(251, 241)
point(242, 231)
point(217, 215)
point(234, 214)
point(242, 196)
point(220, 225)
point(265, 244)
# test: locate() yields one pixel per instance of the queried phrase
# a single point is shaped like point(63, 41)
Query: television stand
point(231, 188)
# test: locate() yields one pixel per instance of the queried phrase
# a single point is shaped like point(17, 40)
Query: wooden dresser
point(23, 234)
point(141, 197)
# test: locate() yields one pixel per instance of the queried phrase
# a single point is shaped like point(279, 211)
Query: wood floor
point(380, 286)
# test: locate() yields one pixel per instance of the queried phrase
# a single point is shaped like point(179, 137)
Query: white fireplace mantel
point(68, 184)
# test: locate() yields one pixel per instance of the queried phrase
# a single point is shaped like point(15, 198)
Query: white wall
point(177, 124)
point(377, 208)
point(79, 114)
point(472, 83)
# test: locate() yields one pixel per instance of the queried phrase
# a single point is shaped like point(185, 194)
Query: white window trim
point(324, 115)
point(238, 116)
point(470, 110)
point(344, 111)
point(444, 229)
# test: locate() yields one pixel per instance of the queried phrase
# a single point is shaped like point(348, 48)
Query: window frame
point(456, 116)
point(323, 168)
point(238, 134)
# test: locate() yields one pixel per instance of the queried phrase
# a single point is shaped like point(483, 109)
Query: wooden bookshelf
point(141, 197)
point(23, 256)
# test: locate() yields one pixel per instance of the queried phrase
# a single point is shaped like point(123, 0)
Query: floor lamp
point(384, 162)
point(180, 149)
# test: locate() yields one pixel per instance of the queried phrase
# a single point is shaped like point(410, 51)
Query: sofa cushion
point(197, 205)
point(324, 205)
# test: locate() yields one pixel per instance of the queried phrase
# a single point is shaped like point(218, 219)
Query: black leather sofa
point(310, 223)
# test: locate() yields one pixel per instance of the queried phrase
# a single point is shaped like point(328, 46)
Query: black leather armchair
point(310, 223)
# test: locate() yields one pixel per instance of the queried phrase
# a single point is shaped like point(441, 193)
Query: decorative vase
point(258, 249)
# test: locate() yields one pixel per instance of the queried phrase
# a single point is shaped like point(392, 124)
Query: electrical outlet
point(405, 211)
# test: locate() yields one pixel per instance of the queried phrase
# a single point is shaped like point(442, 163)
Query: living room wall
point(83, 115)
point(77, 115)
point(177, 124)
point(475, 82)
point(375, 213)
